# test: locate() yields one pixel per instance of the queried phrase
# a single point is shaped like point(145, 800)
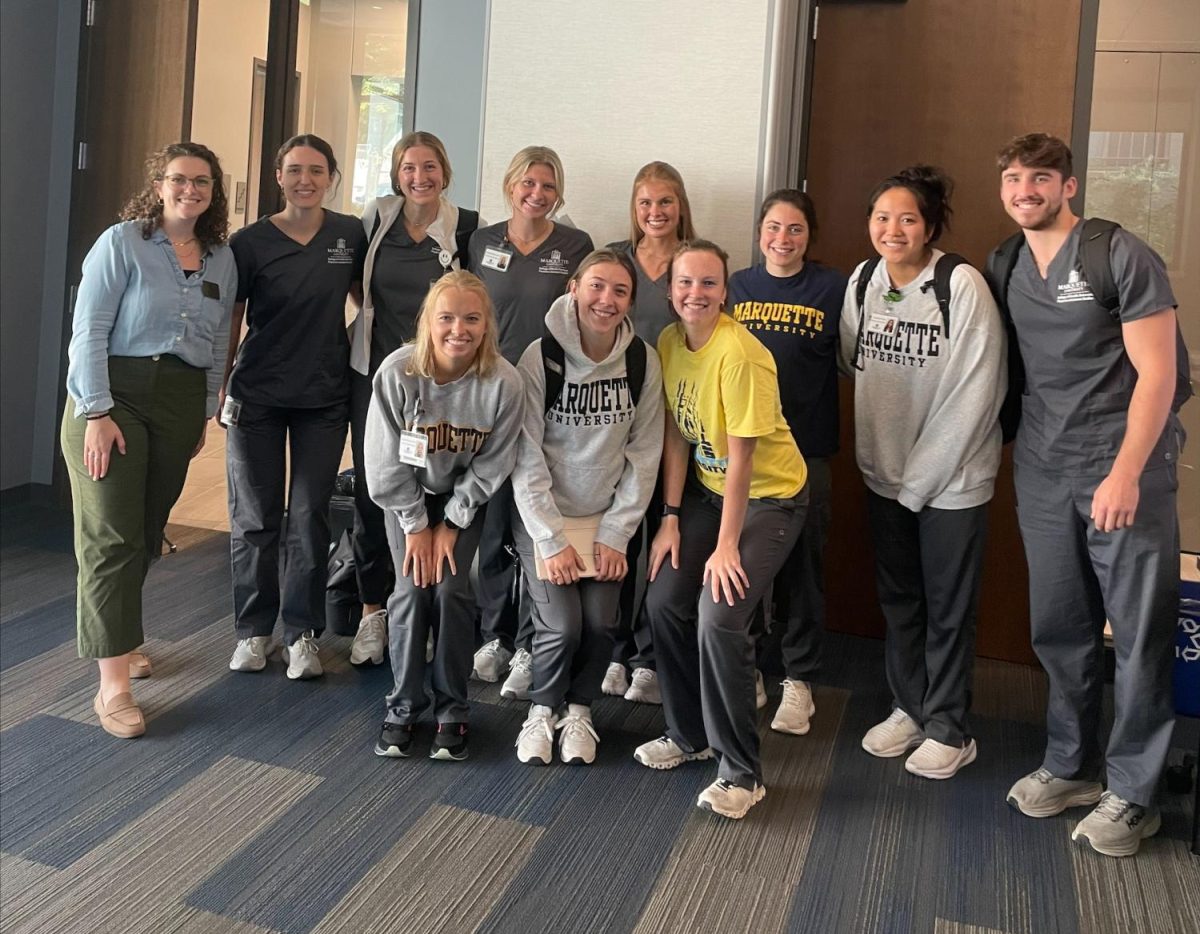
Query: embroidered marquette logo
point(554, 264)
point(1075, 289)
point(339, 254)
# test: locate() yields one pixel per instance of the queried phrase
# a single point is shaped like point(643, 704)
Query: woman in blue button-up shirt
point(146, 355)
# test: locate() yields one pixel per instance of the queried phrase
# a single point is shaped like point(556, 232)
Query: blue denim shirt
point(135, 301)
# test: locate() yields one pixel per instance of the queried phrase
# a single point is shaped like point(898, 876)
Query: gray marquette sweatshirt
point(472, 424)
point(592, 452)
point(926, 404)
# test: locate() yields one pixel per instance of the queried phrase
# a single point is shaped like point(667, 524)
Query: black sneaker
point(450, 743)
point(395, 740)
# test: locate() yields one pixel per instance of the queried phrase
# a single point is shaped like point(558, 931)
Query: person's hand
point(418, 557)
point(203, 438)
point(1115, 502)
point(564, 567)
point(611, 565)
point(665, 544)
point(98, 439)
point(442, 552)
point(724, 575)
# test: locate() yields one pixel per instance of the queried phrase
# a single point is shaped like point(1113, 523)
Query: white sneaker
point(664, 753)
point(1041, 794)
point(795, 709)
point(615, 681)
point(730, 800)
point(937, 760)
point(370, 642)
point(491, 661)
point(577, 737)
point(535, 744)
point(520, 677)
point(1117, 827)
point(760, 691)
point(251, 654)
point(301, 658)
point(643, 689)
point(894, 736)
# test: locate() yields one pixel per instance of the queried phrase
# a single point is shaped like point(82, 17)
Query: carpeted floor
point(254, 803)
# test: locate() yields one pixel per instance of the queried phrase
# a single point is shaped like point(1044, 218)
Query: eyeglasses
point(180, 182)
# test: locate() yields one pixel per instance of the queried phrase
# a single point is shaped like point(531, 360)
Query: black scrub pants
point(704, 650)
point(573, 626)
point(259, 478)
point(928, 566)
point(369, 540)
point(448, 609)
point(503, 599)
point(1078, 577)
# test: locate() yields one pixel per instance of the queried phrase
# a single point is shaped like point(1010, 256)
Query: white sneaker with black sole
point(577, 736)
point(535, 742)
point(730, 800)
point(302, 659)
point(491, 662)
point(665, 753)
point(1117, 827)
point(370, 642)
point(520, 677)
point(251, 654)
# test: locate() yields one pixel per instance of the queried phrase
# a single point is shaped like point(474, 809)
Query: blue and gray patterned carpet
point(254, 803)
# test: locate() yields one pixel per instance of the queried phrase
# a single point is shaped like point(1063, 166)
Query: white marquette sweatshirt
point(926, 404)
point(593, 452)
point(472, 425)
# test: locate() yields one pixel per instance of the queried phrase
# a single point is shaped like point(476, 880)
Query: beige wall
point(1148, 26)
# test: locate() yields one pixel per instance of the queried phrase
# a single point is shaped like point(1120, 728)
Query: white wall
point(613, 84)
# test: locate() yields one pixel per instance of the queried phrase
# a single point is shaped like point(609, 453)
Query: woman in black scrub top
point(525, 263)
point(416, 236)
point(288, 392)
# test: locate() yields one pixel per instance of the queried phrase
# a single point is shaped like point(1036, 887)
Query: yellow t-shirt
point(730, 387)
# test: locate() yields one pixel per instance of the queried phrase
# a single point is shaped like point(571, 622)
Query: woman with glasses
point(288, 392)
point(147, 350)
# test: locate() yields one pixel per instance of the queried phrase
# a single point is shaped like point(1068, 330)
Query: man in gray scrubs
point(1095, 460)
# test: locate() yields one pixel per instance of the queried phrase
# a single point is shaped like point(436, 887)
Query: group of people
point(509, 389)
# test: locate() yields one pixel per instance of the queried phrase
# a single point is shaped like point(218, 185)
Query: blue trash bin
point(1187, 638)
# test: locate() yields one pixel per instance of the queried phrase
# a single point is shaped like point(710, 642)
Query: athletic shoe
point(795, 709)
point(535, 744)
point(370, 642)
point(1117, 827)
point(1041, 794)
point(450, 742)
point(663, 753)
point(577, 737)
point(730, 800)
point(520, 677)
point(615, 680)
point(760, 691)
point(894, 736)
point(251, 654)
point(937, 760)
point(301, 658)
point(491, 661)
point(395, 741)
point(643, 689)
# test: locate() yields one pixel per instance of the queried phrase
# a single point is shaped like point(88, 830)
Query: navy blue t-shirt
point(296, 353)
point(797, 319)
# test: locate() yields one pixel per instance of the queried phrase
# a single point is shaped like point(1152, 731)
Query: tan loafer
point(121, 717)
point(139, 665)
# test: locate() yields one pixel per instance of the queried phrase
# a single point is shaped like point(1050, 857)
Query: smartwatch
point(451, 524)
point(670, 511)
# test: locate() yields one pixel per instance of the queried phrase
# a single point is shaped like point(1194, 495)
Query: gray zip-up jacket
point(593, 451)
point(472, 425)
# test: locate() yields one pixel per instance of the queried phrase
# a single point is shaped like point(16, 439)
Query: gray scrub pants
point(634, 645)
point(257, 475)
point(503, 599)
point(573, 628)
point(928, 566)
point(1078, 577)
point(449, 609)
point(703, 649)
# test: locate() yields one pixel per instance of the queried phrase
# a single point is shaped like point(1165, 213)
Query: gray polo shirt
point(1078, 377)
point(651, 310)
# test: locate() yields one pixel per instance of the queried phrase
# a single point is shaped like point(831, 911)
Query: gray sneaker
point(615, 680)
point(1117, 827)
point(1042, 794)
point(251, 654)
point(643, 689)
point(491, 661)
point(370, 642)
point(301, 658)
point(520, 677)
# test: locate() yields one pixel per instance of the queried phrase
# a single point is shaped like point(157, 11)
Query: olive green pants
point(119, 520)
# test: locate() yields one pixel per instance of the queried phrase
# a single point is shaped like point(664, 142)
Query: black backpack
point(554, 364)
point(1095, 261)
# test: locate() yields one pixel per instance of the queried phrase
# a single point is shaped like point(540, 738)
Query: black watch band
point(451, 524)
point(670, 510)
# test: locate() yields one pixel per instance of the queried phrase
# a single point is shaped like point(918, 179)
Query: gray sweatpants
point(703, 649)
point(449, 609)
point(1078, 577)
point(573, 629)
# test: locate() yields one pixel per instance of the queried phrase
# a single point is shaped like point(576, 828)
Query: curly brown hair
point(212, 227)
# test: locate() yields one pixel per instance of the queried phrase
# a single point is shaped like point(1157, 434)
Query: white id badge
point(494, 258)
point(882, 324)
point(414, 445)
point(231, 412)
